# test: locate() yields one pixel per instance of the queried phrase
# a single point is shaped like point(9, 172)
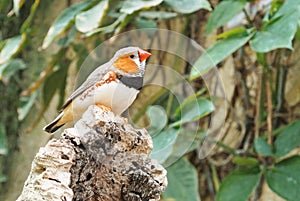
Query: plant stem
point(269, 117)
point(258, 100)
point(267, 82)
point(224, 146)
point(248, 17)
point(280, 83)
point(215, 177)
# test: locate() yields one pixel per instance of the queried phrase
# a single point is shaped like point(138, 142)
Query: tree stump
point(101, 158)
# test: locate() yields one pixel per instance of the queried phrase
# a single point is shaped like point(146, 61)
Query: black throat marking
point(132, 82)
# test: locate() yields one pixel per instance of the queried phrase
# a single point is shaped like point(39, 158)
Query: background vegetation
point(254, 44)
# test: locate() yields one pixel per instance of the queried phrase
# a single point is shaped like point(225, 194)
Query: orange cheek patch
point(126, 64)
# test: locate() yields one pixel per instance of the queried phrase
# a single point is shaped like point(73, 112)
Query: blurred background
point(236, 137)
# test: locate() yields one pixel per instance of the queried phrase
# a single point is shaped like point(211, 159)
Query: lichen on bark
point(101, 158)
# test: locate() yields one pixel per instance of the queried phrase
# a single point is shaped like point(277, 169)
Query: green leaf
point(145, 23)
point(163, 144)
point(109, 28)
point(11, 48)
point(25, 104)
point(66, 40)
point(159, 15)
point(63, 22)
point(17, 5)
point(188, 6)
point(182, 182)
point(9, 68)
point(288, 139)
point(280, 30)
point(262, 147)
point(90, 19)
point(3, 141)
point(193, 110)
point(188, 139)
point(245, 161)
point(287, 7)
point(238, 185)
point(284, 178)
point(224, 12)
point(158, 119)
point(130, 6)
point(218, 52)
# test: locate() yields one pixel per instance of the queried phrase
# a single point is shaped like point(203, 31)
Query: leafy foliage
point(284, 178)
point(9, 68)
point(262, 147)
point(220, 51)
point(165, 137)
point(163, 144)
point(224, 12)
point(11, 47)
point(273, 34)
point(279, 30)
point(90, 19)
point(183, 182)
point(238, 185)
point(63, 22)
point(288, 139)
point(131, 6)
point(158, 119)
point(160, 15)
point(192, 109)
point(188, 6)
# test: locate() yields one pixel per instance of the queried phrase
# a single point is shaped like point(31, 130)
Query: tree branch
point(101, 158)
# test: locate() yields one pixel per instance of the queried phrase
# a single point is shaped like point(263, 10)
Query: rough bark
point(101, 158)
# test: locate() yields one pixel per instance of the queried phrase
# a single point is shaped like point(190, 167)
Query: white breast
point(114, 95)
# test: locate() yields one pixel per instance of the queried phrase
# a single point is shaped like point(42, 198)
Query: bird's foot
point(104, 108)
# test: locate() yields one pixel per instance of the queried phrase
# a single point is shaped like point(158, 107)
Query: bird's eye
point(131, 56)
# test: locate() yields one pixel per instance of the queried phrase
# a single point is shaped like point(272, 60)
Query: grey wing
point(92, 79)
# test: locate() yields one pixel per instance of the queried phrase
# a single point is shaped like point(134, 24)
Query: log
point(101, 158)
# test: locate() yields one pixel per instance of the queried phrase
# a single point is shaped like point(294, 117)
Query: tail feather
point(53, 126)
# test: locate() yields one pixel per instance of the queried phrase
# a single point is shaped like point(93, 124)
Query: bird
point(113, 85)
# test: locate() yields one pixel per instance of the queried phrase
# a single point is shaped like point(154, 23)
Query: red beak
point(143, 55)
